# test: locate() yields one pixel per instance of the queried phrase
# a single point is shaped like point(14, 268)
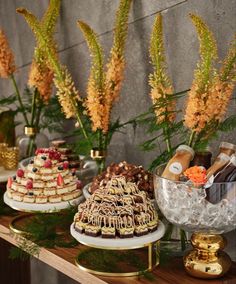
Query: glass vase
point(30, 141)
point(99, 156)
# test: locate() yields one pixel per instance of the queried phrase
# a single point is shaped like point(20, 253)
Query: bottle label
point(176, 168)
point(223, 157)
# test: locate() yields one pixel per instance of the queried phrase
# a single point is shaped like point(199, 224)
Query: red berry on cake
point(79, 184)
point(66, 165)
point(60, 180)
point(29, 184)
point(20, 173)
point(48, 164)
point(9, 182)
point(57, 156)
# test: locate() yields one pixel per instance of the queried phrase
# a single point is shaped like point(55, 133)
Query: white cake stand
point(151, 241)
point(42, 208)
point(85, 189)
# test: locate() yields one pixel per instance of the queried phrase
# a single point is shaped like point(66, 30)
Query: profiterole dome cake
point(45, 180)
point(119, 209)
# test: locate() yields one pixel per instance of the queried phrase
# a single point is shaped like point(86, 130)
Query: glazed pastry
point(45, 179)
point(118, 209)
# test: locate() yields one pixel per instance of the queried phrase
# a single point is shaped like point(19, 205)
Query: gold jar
point(11, 158)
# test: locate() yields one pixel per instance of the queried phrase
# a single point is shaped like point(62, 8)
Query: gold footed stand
point(207, 260)
point(153, 260)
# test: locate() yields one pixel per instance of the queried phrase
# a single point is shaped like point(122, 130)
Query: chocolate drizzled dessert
point(46, 179)
point(118, 209)
point(132, 173)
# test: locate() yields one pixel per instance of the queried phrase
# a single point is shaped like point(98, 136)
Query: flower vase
point(30, 141)
point(100, 157)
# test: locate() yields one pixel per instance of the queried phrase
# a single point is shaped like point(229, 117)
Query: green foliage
point(114, 261)
point(205, 72)
point(229, 124)
point(121, 27)
point(45, 230)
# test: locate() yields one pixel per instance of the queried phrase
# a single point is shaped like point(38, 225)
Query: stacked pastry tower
point(45, 180)
point(132, 173)
point(67, 154)
point(119, 209)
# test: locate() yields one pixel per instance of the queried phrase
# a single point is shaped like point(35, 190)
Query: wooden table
point(63, 259)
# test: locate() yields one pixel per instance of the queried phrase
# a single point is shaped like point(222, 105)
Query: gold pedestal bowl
point(208, 213)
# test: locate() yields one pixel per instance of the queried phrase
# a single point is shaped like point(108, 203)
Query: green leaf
point(229, 124)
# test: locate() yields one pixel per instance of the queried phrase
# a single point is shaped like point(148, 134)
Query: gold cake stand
point(150, 241)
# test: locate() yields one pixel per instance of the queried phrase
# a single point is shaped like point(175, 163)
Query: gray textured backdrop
point(181, 47)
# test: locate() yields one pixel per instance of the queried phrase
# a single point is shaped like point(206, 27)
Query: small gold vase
point(11, 158)
point(207, 260)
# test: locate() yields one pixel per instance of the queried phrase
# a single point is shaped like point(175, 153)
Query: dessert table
point(63, 259)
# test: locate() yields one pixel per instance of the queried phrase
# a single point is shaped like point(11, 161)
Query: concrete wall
point(181, 47)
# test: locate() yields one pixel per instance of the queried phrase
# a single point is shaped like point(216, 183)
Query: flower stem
point(33, 108)
point(19, 99)
point(83, 129)
point(167, 139)
point(191, 138)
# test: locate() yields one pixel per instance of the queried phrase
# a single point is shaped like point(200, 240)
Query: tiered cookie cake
point(119, 209)
point(45, 180)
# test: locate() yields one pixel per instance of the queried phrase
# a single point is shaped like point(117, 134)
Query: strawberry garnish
point(20, 173)
point(60, 180)
point(9, 182)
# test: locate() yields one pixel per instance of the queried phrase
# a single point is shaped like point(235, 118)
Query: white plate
point(86, 193)
point(118, 243)
point(46, 207)
point(5, 174)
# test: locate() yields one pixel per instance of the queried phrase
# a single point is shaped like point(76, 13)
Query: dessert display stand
point(31, 208)
point(150, 241)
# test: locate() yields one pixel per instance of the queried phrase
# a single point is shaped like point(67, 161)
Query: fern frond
point(228, 70)
point(205, 72)
point(121, 27)
point(157, 55)
point(97, 72)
